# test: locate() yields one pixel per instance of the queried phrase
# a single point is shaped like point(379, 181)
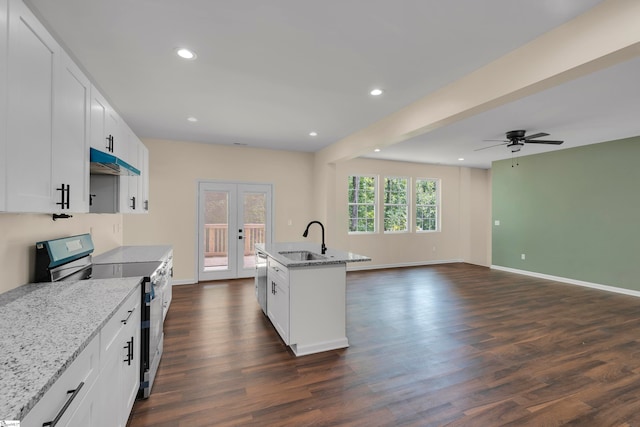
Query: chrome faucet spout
point(306, 233)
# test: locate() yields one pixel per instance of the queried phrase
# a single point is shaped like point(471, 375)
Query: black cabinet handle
point(146, 205)
point(129, 348)
point(133, 203)
point(65, 192)
point(73, 393)
point(127, 319)
point(110, 143)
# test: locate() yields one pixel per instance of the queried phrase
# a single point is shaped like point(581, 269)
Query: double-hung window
point(427, 204)
point(362, 204)
point(396, 204)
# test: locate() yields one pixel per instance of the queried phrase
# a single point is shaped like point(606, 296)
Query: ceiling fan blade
point(544, 141)
point(491, 146)
point(497, 140)
point(535, 135)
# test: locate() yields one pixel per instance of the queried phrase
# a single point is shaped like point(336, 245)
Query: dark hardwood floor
point(454, 345)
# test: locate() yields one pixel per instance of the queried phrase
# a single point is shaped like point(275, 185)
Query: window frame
point(407, 205)
point(374, 204)
point(438, 205)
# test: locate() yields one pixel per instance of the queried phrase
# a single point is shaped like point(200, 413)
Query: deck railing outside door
point(216, 239)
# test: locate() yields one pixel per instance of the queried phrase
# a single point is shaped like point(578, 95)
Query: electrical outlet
point(434, 249)
point(289, 222)
point(522, 256)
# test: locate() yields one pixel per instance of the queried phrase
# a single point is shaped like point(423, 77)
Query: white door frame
point(238, 188)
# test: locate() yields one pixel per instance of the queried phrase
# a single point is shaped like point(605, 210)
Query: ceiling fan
point(516, 140)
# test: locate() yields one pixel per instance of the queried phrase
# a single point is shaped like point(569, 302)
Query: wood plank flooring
point(446, 345)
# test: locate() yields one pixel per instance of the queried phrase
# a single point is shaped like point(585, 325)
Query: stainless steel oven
point(69, 258)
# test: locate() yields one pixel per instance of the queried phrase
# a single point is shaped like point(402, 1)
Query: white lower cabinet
point(307, 305)
point(73, 396)
point(120, 374)
point(278, 298)
point(98, 389)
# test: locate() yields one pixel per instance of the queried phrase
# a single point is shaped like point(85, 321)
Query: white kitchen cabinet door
point(106, 132)
point(278, 298)
point(70, 134)
point(3, 99)
point(120, 364)
point(129, 198)
point(143, 181)
point(32, 54)
point(130, 368)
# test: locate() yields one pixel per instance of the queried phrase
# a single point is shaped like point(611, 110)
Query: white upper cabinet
point(31, 62)
point(108, 132)
point(71, 134)
point(3, 99)
point(129, 199)
point(47, 121)
point(143, 182)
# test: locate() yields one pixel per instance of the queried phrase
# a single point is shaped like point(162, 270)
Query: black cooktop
point(130, 269)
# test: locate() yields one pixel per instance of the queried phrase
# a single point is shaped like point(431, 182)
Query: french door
point(232, 218)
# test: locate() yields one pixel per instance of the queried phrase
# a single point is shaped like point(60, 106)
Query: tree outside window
point(362, 204)
point(426, 205)
point(396, 204)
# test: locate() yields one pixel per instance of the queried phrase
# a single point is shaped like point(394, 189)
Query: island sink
point(302, 255)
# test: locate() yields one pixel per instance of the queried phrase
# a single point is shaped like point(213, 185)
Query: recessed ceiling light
point(377, 150)
point(460, 158)
point(313, 133)
point(192, 119)
point(376, 92)
point(186, 53)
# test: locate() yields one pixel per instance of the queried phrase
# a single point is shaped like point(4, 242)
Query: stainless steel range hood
point(107, 164)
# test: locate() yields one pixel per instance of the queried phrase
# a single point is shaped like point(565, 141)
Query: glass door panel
point(255, 207)
point(216, 231)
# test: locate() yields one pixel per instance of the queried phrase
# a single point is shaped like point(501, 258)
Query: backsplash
point(20, 232)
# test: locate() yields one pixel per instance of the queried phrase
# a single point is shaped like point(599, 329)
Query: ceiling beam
point(605, 35)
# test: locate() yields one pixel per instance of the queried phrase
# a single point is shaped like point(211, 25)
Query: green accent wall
point(574, 213)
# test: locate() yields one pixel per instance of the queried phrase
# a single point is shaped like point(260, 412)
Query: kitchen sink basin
point(302, 255)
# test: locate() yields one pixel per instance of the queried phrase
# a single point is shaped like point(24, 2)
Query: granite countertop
point(43, 328)
point(134, 254)
point(332, 256)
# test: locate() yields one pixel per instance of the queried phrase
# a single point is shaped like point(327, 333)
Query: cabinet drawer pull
point(74, 393)
point(127, 319)
point(133, 203)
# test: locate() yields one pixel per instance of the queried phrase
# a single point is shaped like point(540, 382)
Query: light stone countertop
point(44, 327)
point(332, 256)
point(133, 254)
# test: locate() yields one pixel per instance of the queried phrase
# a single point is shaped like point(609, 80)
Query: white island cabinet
point(306, 298)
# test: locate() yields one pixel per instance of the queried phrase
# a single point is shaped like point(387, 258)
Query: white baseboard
point(599, 286)
point(304, 349)
point(356, 266)
point(183, 282)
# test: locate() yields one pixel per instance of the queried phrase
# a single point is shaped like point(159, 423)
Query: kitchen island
point(306, 295)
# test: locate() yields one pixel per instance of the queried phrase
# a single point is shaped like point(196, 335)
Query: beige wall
point(303, 191)
point(465, 216)
point(20, 232)
point(175, 169)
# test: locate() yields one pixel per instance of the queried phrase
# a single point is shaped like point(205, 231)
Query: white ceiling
point(269, 72)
